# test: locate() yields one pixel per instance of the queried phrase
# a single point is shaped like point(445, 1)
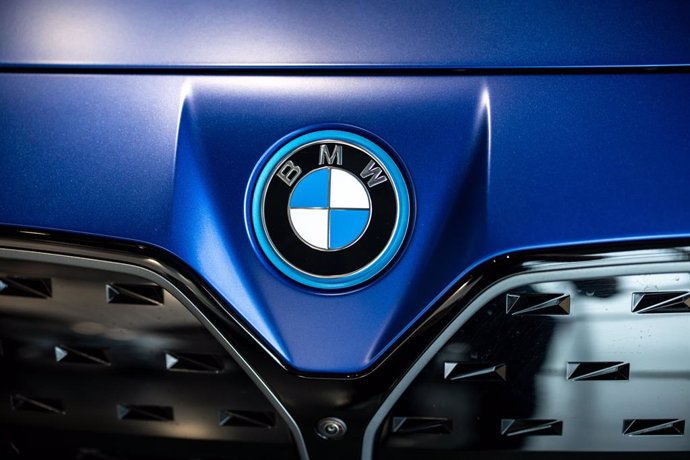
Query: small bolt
point(331, 428)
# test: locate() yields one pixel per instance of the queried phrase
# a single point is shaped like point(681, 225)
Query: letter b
point(289, 173)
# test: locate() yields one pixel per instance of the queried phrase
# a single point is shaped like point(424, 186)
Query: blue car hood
point(468, 34)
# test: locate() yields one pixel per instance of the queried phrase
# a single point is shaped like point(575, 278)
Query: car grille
point(583, 365)
point(98, 364)
point(573, 353)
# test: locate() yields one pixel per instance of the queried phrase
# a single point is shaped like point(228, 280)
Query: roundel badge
point(330, 209)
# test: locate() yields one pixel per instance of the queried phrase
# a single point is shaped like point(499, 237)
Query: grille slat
point(93, 356)
point(16, 286)
point(422, 425)
point(134, 294)
point(145, 413)
point(21, 403)
point(244, 418)
point(598, 371)
point(655, 427)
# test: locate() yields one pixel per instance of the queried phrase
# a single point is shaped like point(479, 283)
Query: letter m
point(376, 174)
point(326, 157)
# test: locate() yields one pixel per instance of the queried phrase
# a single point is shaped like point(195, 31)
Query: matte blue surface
point(345, 226)
point(496, 164)
point(385, 33)
point(312, 190)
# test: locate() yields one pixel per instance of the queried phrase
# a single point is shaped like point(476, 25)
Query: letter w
point(375, 173)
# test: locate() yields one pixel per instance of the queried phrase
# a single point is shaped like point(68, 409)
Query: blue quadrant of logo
point(346, 225)
point(312, 190)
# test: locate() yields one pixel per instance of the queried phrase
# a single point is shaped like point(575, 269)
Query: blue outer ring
point(380, 262)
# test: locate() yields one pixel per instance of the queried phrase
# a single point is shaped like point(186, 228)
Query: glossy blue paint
point(274, 158)
point(496, 164)
point(384, 33)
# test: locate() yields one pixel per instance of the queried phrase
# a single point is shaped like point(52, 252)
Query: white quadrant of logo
point(329, 209)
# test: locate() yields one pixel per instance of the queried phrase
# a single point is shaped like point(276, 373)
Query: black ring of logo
point(374, 240)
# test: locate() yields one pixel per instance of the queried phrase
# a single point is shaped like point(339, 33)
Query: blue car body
point(523, 131)
point(536, 126)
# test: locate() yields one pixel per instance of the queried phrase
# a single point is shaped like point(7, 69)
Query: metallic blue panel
point(469, 33)
point(496, 164)
point(87, 152)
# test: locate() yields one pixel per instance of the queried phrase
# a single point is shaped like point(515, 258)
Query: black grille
point(561, 367)
point(103, 365)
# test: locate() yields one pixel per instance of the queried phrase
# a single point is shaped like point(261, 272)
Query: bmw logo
point(330, 209)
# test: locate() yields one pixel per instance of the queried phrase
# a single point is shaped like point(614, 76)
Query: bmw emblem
point(330, 209)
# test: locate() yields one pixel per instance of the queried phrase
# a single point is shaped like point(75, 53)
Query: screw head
point(331, 428)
